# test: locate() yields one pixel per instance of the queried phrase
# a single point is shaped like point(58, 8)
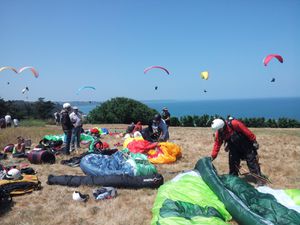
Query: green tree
point(42, 109)
point(271, 123)
point(202, 121)
point(174, 121)
point(187, 121)
point(3, 107)
point(282, 122)
point(121, 110)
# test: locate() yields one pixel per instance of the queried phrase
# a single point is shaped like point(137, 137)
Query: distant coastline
point(273, 108)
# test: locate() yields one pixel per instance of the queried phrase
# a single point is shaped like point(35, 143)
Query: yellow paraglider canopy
point(204, 75)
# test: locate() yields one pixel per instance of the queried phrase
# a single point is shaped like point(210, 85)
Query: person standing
point(76, 119)
point(16, 122)
point(67, 126)
point(57, 118)
point(239, 141)
point(2, 123)
point(8, 120)
point(165, 114)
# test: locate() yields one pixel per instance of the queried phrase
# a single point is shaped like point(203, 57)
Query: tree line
point(124, 110)
point(205, 121)
point(39, 109)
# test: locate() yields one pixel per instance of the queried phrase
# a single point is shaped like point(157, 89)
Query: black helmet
point(157, 117)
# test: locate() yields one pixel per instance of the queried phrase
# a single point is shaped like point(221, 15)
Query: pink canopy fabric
point(268, 58)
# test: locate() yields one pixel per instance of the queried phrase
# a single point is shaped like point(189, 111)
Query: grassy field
point(279, 157)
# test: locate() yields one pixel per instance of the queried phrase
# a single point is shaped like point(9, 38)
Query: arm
point(217, 145)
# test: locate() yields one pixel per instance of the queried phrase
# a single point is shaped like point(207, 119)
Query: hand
point(255, 145)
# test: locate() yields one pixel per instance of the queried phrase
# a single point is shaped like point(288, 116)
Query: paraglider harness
point(239, 142)
point(52, 146)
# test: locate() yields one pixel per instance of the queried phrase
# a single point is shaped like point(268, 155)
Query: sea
point(269, 108)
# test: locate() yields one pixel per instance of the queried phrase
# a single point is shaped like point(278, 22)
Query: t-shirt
point(16, 122)
point(8, 119)
point(76, 119)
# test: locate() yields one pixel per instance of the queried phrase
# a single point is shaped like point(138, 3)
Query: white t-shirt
point(76, 119)
point(8, 119)
point(16, 122)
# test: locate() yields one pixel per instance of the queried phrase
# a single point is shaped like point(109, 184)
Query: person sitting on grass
point(19, 148)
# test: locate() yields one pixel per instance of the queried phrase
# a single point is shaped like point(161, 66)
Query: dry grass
point(279, 155)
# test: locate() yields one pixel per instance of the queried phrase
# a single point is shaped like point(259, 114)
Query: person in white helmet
point(240, 142)
point(67, 126)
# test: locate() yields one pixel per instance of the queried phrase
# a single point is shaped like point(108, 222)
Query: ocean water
point(269, 108)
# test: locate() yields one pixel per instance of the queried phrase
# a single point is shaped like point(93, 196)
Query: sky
point(108, 44)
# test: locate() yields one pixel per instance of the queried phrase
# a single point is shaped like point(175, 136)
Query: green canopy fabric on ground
point(245, 204)
point(188, 200)
point(141, 163)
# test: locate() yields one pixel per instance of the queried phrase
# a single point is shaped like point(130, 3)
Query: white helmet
point(217, 124)
point(66, 105)
point(137, 134)
point(14, 174)
point(77, 196)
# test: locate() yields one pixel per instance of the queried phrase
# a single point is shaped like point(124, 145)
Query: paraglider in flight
point(85, 87)
point(205, 91)
point(156, 87)
point(157, 67)
point(7, 83)
point(204, 75)
point(273, 80)
point(24, 90)
point(33, 70)
point(268, 58)
point(8, 68)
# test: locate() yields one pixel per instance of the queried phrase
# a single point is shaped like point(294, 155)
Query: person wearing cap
point(67, 126)
point(239, 141)
point(76, 119)
point(165, 114)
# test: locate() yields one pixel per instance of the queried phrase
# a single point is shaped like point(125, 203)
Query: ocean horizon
point(269, 108)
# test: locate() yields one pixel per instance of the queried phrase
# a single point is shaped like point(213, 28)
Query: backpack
point(27, 184)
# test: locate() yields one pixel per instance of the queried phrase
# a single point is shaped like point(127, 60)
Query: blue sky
point(108, 44)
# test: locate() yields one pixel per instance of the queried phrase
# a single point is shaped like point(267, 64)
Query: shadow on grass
point(5, 206)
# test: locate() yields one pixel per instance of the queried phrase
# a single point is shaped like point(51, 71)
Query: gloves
point(255, 145)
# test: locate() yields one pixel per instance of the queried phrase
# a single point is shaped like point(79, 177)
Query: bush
point(187, 121)
point(121, 110)
point(174, 121)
